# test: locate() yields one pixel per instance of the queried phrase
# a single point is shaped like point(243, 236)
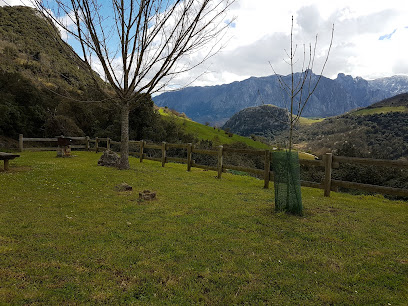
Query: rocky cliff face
point(216, 104)
point(392, 86)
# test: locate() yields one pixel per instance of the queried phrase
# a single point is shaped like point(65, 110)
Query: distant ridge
point(377, 131)
point(216, 104)
point(398, 100)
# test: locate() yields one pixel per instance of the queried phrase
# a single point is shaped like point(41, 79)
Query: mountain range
point(216, 104)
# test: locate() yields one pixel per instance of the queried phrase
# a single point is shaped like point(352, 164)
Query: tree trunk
point(124, 136)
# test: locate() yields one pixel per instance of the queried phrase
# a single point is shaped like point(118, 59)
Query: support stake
point(163, 153)
point(328, 160)
point(219, 166)
point(189, 155)
point(142, 143)
point(267, 168)
point(20, 142)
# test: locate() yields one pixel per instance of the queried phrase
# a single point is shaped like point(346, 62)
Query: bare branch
point(301, 90)
point(140, 45)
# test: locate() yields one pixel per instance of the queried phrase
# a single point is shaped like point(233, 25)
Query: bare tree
point(140, 45)
point(299, 91)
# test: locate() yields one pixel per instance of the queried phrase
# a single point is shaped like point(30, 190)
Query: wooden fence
point(80, 143)
point(327, 164)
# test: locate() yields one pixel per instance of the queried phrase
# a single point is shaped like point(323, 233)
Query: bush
point(10, 52)
point(62, 125)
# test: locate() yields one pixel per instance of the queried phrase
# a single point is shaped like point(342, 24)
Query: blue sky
point(388, 36)
point(370, 38)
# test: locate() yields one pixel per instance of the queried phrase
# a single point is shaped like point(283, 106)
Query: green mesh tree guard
point(286, 170)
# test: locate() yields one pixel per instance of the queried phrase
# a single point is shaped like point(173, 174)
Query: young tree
point(140, 45)
point(298, 92)
point(301, 86)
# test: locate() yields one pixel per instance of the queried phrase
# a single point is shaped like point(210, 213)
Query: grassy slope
point(67, 237)
point(28, 35)
point(218, 136)
point(309, 121)
point(380, 110)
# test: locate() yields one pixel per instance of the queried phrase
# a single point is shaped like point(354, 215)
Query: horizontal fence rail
point(85, 143)
point(327, 164)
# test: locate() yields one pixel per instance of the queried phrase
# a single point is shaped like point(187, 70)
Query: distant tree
point(139, 45)
point(62, 125)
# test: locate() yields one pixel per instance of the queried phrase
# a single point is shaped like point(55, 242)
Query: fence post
point(267, 168)
point(142, 143)
point(87, 143)
point(108, 140)
point(189, 155)
point(20, 142)
point(219, 166)
point(163, 153)
point(96, 144)
point(328, 160)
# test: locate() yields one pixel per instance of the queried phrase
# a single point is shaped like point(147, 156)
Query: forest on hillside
point(383, 136)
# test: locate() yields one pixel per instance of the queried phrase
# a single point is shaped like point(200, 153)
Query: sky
point(370, 38)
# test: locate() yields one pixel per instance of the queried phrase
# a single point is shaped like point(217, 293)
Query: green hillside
point(216, 135)
point(377, 131)
point(309, 121)
point(67, 238)
point(380, 110)
point(32, 47)
point(398, 103)
point(43, 83)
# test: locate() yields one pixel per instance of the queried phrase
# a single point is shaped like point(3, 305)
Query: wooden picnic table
point(6, 157)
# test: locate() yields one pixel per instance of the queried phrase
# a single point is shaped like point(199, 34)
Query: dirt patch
point(15, 169)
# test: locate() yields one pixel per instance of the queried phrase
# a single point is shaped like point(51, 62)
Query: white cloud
point(261, 34)
point(16, 2)
point(262, 31)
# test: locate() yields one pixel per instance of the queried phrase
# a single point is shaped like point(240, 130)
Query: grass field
point(67, 237)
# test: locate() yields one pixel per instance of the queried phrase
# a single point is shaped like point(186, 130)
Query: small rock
point(109, 159)
point(147, 195)
point(123, 187)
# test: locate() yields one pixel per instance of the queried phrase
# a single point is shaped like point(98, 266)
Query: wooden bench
point(6, 157)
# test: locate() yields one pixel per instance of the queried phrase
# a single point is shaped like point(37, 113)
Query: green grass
point(309, 121)
point(218, 136)
point(67, 237)
point(380, 110)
